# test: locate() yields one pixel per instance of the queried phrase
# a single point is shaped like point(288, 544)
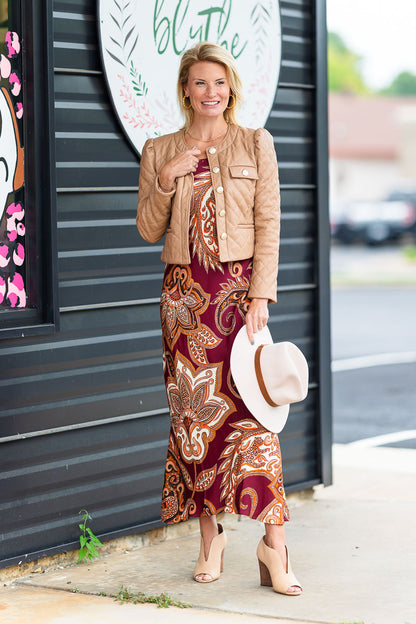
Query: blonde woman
point(213, 189)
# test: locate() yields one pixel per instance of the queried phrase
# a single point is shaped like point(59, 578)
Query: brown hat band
point(260, 379)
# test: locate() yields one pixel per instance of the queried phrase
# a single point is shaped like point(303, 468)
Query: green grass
point(162, 600)
point(410, 253)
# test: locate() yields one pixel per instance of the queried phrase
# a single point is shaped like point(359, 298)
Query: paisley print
point(197, 407)
point(231, 299)
point(202, 227)
point(181, 304)
point(219, 457)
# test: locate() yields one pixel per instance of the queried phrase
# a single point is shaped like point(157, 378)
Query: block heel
point(273, 573)
point(214, 564)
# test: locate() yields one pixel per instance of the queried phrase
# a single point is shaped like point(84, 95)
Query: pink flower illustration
point(16, 294)
point(5, 66)
point(19, 113)
point(15, 84)
point(2, 289)
point(13, 208)
point(13, 44)
point(15, 214)
point(19, 255)
point(4, 256)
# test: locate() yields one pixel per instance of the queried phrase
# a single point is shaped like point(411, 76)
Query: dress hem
point(286, 517)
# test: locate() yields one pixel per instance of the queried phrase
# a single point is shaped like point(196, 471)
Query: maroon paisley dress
point(219, 457)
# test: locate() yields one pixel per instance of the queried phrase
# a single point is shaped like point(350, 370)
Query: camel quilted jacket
point(247, 199)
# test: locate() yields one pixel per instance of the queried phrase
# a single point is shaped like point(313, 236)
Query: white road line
point(387, 438)
point(378, 359)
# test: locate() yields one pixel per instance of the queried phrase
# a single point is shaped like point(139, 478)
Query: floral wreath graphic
point(146, 109)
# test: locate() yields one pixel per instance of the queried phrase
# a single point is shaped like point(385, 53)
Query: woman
point(213, 188)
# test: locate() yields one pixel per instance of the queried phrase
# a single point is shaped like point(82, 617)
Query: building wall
point(84, 419)
point(356, 179)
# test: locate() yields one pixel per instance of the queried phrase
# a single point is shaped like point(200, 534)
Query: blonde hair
point(212, 53)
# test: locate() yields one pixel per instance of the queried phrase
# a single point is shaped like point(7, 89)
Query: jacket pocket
point(248, 172)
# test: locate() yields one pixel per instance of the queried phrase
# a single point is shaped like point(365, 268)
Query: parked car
point(408, 196)
point(373, 222)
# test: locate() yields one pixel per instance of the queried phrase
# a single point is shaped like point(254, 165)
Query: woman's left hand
point(256, 317)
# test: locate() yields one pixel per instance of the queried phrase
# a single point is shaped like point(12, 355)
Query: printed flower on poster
point(15, 227)
point(138, 114)
point(2, 289)
point(197, 406)
point(12, 251)
point(13, 44)
point(5, 66)
point(4, 255)
point(16, 294)
point(15, 84)
point(11, 165)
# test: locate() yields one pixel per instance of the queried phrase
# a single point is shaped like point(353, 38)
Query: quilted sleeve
point(154, 206)
point(266, 220)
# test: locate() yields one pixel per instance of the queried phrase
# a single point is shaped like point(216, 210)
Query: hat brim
point(243, 372)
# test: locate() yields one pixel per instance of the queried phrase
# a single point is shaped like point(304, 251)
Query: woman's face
point(208, 89)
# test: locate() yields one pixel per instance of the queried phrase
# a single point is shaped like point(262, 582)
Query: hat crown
point(285, 372)
point(268, 376)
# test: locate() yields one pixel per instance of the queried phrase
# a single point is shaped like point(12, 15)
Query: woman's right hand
point(182, 164)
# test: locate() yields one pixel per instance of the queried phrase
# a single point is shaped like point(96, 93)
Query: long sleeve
point(154, 205)
point(266, 220)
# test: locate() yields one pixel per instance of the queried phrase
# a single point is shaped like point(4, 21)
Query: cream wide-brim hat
point(281, 378)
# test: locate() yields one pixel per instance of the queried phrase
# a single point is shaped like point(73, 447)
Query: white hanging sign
point(141, 45)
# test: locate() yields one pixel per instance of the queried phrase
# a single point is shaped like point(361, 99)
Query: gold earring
point(233, 104)
point(183, 102)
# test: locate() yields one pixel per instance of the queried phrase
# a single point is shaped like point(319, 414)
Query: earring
point(233, 104)
point(183, 102)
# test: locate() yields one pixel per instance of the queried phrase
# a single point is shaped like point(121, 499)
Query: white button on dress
point(212, 150)
point(222, 213)
point(223, 235)
point(220, 189)
point(215, 170)
point(244, 172)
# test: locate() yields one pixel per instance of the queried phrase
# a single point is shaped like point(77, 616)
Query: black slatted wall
point(83, 416)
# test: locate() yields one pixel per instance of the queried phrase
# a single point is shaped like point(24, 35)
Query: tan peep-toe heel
point(213, 566)
point(273, 572)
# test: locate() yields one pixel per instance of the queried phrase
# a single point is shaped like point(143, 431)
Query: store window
point(13, 282)
point(28, 281)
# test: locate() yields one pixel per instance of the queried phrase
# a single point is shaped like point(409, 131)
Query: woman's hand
point(256, 317)
point(180, 165)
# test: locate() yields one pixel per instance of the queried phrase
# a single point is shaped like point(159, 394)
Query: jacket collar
point(227, 140)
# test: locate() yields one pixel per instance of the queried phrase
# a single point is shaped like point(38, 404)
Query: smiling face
point(208, 89)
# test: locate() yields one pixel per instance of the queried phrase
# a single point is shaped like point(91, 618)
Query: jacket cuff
point(270, 294)
point(160, 190)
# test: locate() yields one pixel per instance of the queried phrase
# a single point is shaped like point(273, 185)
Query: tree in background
point(403, 84)
point(344, 73)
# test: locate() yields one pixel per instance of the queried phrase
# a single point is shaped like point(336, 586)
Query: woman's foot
point(210, 560)
point(275, 539)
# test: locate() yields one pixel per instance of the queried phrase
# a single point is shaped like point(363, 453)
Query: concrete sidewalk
point(358, 265)
point(352, 547)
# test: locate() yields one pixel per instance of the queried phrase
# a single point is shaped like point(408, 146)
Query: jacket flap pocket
point(243, 171)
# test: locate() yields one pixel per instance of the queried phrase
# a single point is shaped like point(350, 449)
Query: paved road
point(370, 399)
point(368, 320)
